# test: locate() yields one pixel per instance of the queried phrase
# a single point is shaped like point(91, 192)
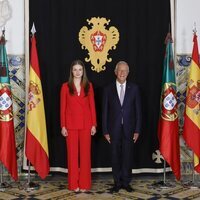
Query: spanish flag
point(191, 130)
point(36, 135)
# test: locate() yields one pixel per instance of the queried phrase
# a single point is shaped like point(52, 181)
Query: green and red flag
point(7, 133)
point(191, 129)
point(168, 129)
point(36, 134)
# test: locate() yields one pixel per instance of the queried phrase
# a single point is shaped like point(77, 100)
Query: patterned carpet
point(145, 187)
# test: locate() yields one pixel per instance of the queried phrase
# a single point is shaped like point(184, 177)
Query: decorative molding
point(5, 12)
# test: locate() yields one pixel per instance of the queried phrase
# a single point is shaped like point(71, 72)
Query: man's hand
point(107, 136)
point(135, 137)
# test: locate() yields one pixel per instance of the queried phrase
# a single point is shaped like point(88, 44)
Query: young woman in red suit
point(78, 123)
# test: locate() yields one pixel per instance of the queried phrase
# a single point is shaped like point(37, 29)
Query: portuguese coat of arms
point(98, 41)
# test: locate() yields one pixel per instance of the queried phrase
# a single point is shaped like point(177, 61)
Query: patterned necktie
point(121, 97)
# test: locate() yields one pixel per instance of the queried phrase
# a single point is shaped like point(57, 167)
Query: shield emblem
point(98, 40)
point(5, 102)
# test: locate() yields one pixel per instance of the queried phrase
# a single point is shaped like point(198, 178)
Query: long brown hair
point(84, 80)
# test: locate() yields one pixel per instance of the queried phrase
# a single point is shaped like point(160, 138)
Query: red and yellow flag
point(36, 135)
point(191, 131)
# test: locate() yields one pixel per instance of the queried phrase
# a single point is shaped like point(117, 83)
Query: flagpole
point(29, 172)
point(164, 174)
point(193, 171)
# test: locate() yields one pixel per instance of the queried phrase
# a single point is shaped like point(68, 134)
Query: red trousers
point(79, 159)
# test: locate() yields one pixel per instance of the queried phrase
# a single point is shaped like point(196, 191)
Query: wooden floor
point(145, 187)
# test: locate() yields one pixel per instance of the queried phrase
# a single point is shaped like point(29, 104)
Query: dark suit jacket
point(113, 112)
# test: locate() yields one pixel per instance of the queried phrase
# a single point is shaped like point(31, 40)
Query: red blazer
point(77, 112)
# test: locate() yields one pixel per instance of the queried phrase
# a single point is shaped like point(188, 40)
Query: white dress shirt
point(119, 87)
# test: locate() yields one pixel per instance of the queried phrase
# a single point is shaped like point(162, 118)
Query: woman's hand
point(64, 132)
point(93, 130)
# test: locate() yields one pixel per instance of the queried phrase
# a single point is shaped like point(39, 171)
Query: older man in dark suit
point(121, 124)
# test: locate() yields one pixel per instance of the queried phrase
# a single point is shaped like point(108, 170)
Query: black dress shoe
point(128, 188)
point(115, 188)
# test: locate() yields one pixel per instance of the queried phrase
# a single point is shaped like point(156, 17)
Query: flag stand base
point(163, 185)
point(4, 186)
point(192, 185)
point(31, 186)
